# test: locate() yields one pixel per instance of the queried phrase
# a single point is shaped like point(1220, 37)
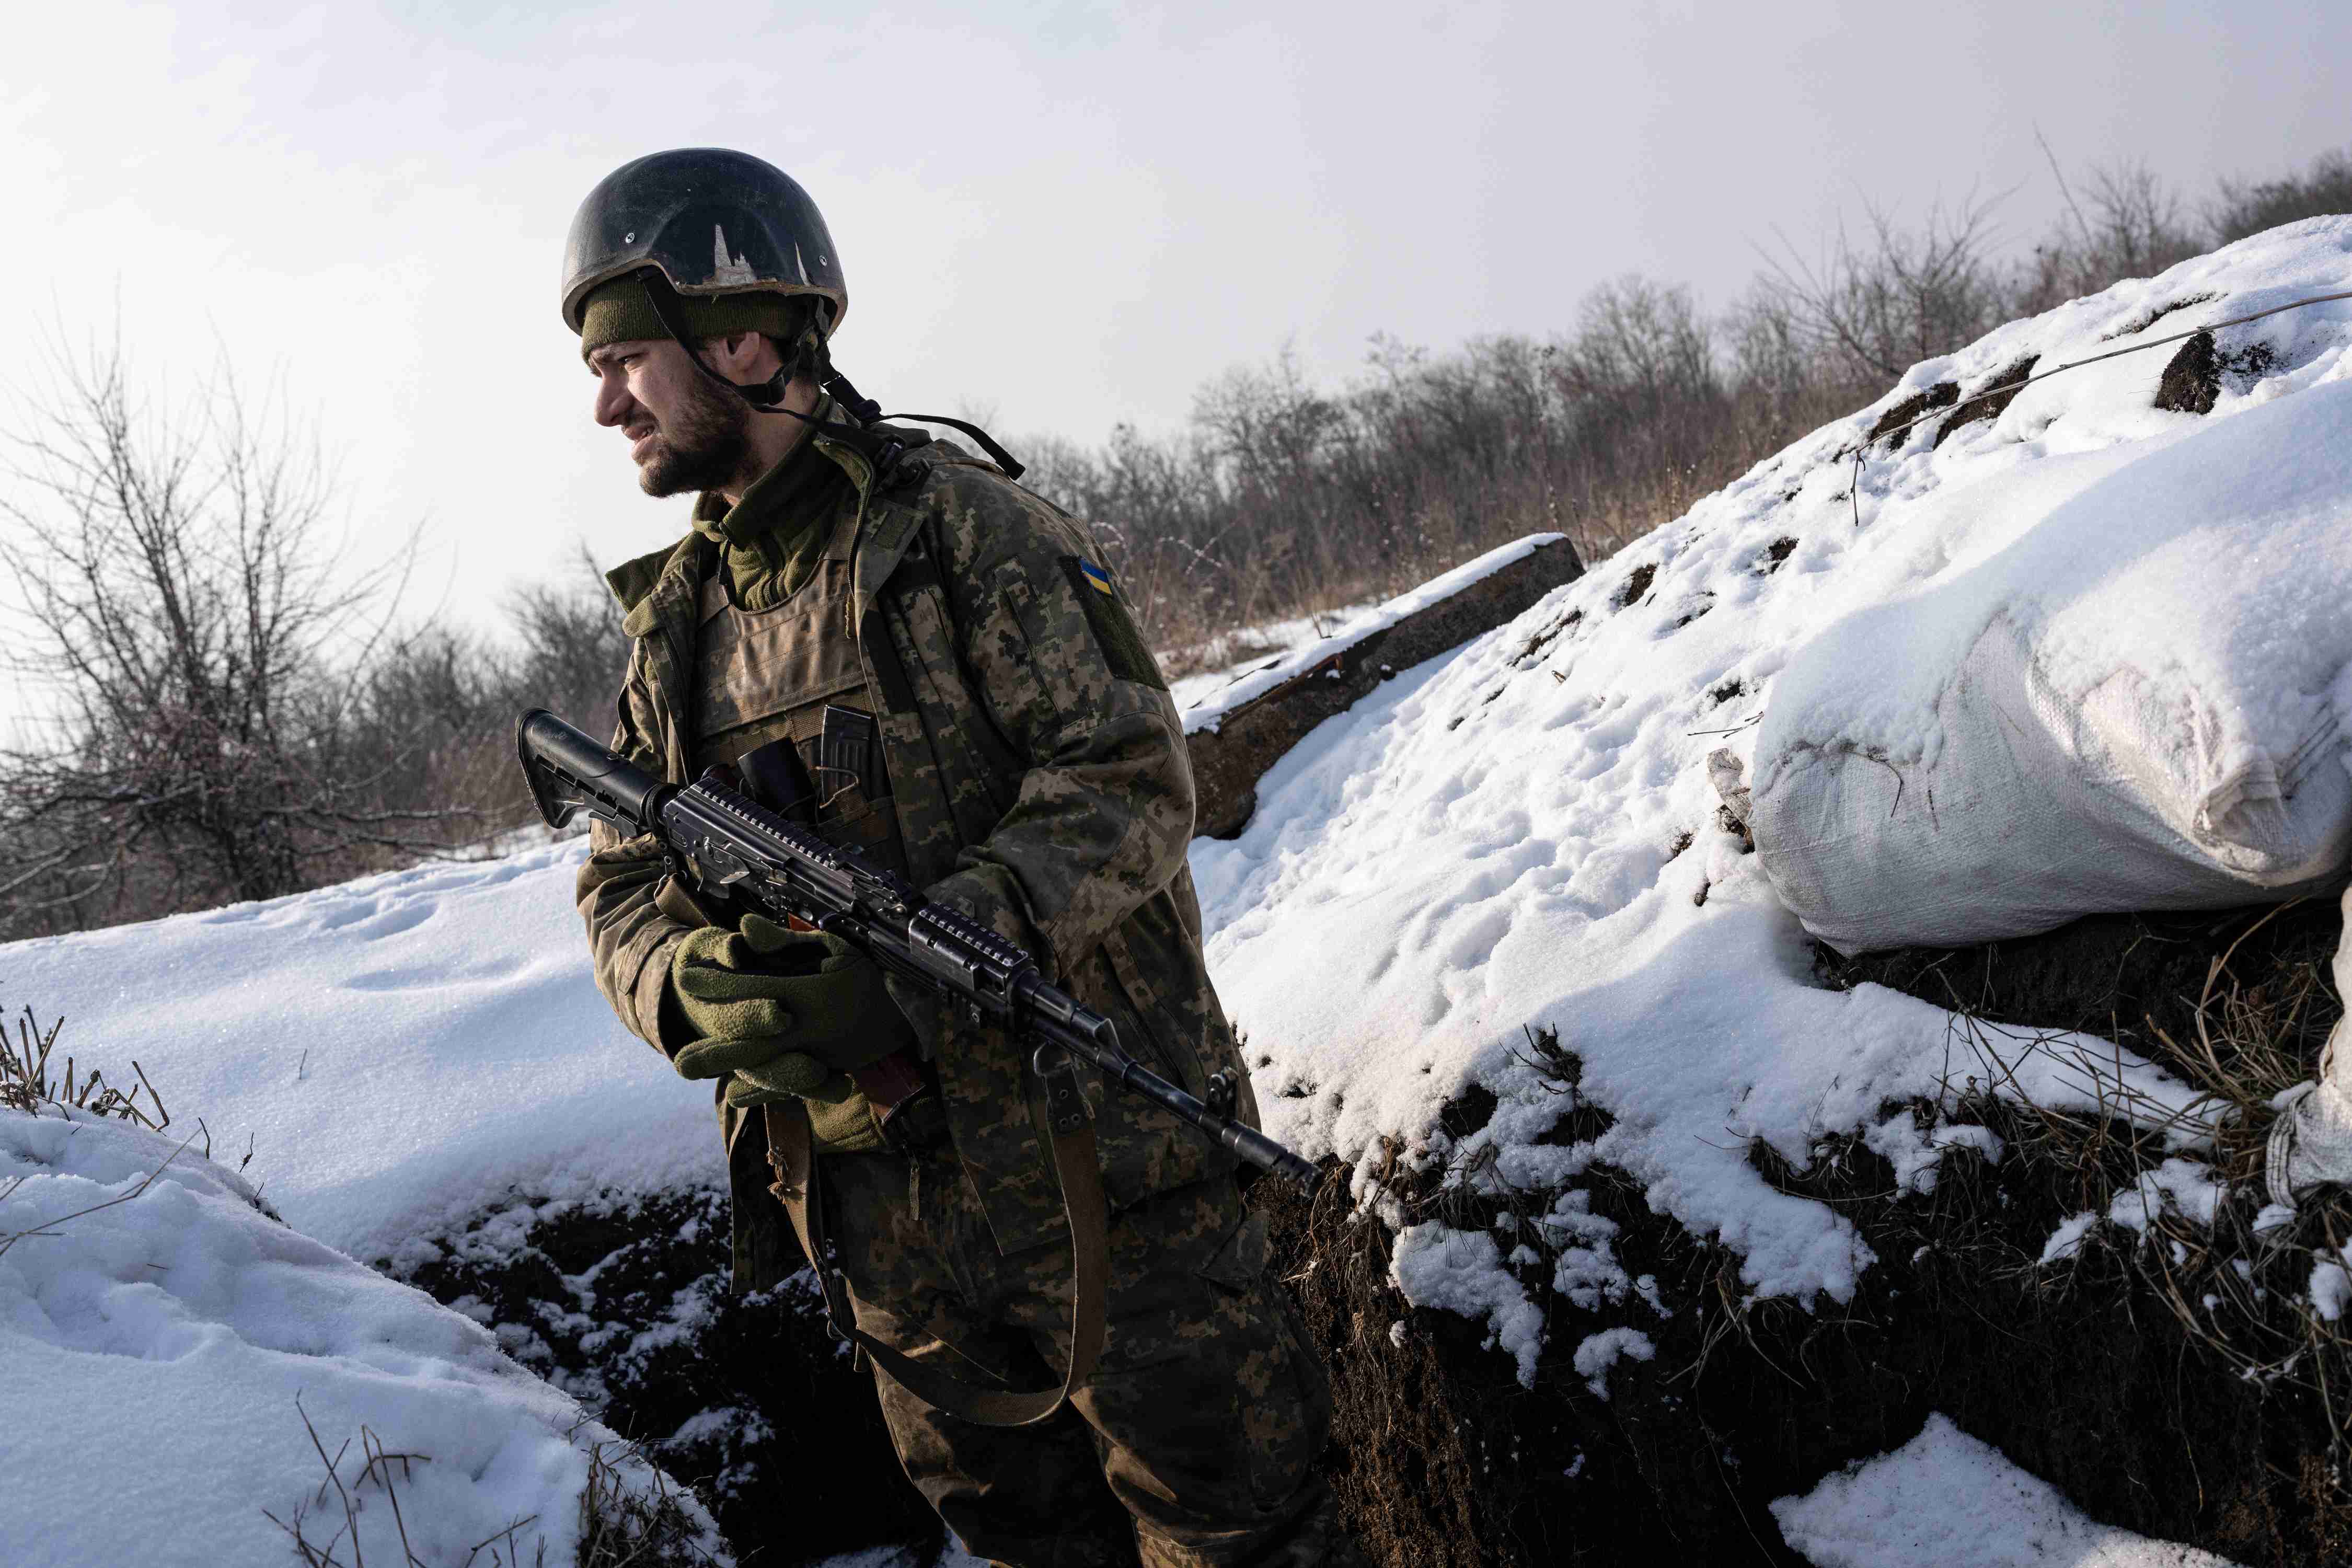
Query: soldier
point(961, 684)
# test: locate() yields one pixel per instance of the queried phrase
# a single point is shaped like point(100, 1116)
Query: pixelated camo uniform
point(1039, 783)
point(1037, 780)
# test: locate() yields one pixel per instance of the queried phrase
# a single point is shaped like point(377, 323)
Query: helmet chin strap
point(768, 397)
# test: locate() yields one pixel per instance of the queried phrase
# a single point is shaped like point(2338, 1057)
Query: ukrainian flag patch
point(1121, 644)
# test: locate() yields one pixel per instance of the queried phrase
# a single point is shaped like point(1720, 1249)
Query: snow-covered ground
point(1945, 1500)
point(1523, 833)
point(1520, 835)
point(168, 1352)
point(398, 1052)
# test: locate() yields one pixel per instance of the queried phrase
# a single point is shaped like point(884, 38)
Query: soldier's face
point(684, 434)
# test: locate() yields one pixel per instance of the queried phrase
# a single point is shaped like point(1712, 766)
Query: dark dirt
point(2122, 976)
point(1943, 394)
point(1544, 637)
point(2191, 382)
point(1776, 553)
point(625, 1307)
point(2193, 379)
point(1637, 582)
point(1981, 406)
point(2082, 1374)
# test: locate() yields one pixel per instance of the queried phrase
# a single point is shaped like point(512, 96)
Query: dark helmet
point(712, 222)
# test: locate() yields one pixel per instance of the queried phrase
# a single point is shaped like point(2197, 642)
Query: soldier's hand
point(763, 993)
point(730, 986)
point(788, 1075)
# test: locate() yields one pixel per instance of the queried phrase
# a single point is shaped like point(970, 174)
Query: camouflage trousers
point(1195, 1442)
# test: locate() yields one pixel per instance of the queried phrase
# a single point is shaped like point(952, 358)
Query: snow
point(1523, 832)
point(1602, 1350)
point(400, 1050)
point(1209, 710)
point(2185, 1186)
point(2067, 1240)
point(1269, 642)
point(153, 1354)
point(2330, 1290)
point(1436, 1266)
point(1945, 1500)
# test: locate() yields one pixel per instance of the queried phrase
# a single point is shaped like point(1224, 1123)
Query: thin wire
point(1854, 491)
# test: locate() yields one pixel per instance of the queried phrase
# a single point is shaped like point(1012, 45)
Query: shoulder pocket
point(1121, 644)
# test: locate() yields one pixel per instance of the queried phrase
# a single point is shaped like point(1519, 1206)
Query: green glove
point(786, 1012)
point(789, 1075)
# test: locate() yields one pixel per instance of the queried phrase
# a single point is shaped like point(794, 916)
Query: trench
point(2086, 1376)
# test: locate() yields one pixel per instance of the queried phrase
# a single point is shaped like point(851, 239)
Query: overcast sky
point(1065, 215)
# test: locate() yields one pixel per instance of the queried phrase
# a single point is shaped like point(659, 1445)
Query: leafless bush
point(2245, 207)
point(2134, 226)
point(220, 706)
point(193, 642)
point(437, 711)
point(1875, 309)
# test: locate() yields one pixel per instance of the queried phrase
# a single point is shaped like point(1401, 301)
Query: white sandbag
point(2098, 683)
point(2311, 1143)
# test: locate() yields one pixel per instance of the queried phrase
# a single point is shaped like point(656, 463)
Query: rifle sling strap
point(1083, 1205)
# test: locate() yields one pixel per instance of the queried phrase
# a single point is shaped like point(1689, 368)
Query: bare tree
point(2133, 225)
point(190, 643)
point(1877, 308)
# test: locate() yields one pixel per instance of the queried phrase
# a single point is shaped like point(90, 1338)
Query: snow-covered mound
point(152, 1353)
point(1523, 833)
point(1945, 1500)
point(397, 1052)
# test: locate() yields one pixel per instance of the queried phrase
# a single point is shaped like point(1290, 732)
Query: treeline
point(212, 709)
point(1282, 496)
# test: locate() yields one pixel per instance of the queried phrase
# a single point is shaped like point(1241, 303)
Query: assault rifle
point(724, 841)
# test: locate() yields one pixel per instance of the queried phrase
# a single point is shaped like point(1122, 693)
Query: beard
point(702, 446)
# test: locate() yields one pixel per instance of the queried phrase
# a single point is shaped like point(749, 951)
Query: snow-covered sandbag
point(2311, 1143)
point(155, 1334)
point(2100, 682)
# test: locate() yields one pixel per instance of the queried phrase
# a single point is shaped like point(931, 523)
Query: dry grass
point(2240, 1288)
point(26, 1083)
point(620, 1526)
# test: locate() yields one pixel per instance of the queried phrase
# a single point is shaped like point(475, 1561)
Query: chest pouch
point(848, 755)
point(774, 776)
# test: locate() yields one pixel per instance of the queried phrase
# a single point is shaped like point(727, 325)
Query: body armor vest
point(792, 673)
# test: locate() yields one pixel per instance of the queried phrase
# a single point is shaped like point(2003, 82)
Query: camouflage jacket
point(1041, 785)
